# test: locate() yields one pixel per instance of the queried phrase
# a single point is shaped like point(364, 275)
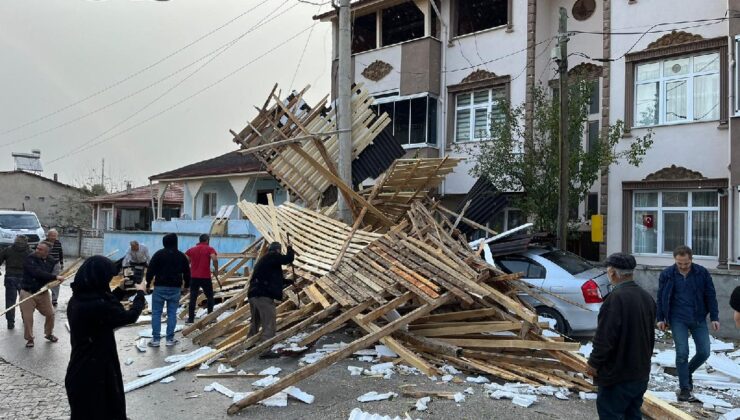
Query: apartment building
point(441, 67)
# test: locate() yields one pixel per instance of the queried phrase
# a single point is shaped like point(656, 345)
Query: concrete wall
point(725, 281)
point(225, 195)
point(235, 227)
point(55, 204)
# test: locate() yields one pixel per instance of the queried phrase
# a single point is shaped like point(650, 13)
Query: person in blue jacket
point(685, 297)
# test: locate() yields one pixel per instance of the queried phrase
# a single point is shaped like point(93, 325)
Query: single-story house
point(134, 208)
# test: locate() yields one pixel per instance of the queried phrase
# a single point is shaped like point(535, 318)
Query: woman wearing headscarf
point(94, 382)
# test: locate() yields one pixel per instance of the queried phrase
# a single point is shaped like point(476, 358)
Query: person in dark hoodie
point(265, 287)
point(13, 257)
point(170, 270)
point(37, 269)
point(94, 382)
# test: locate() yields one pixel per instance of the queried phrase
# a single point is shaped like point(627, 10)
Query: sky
point(148, 86)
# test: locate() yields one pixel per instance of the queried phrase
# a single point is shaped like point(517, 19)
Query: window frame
point(660, 210)
point(213, 207)
point(693, 48)
point(455, 27)
point(393, 99)
point(472, 107)
point(736, 75)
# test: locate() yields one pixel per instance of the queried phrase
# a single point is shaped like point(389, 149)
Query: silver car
point(580, 285)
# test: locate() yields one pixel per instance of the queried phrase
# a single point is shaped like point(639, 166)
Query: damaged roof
point(377, 157)
point(173, 195)
point(485, 201)
point(226, 164)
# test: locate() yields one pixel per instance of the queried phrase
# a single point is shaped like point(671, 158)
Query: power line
point(171, 107)
point(132, 75)
point(303, 53)
point(217, 51)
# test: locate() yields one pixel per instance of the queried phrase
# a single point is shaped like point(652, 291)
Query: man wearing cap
point(686, 296)
point(265, 287)
point(623, 344)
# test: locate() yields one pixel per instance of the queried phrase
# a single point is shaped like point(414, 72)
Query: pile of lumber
point(450, 306)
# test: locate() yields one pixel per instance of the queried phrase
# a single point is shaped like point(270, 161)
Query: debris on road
point(375, 396)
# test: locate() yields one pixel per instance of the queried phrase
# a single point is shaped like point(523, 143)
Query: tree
point(517, 160)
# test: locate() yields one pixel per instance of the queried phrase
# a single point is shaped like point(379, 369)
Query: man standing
point(201, 256)
point(623, 344)
point(265, 287)
point(13, 257)
point(137, 254)
point(685, 296)
point(56, 252)
point(169, 269)
point(36, 274)
point(735, 305)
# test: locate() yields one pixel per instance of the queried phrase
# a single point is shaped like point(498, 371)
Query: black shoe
point(691, 384)
point(685, 395)
point(11, 325)
point(269, 355)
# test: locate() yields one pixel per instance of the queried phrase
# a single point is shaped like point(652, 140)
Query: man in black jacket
point(623, 344)
point(265, 287)
point(36, 275)
point(14, 257)
point(170, 270)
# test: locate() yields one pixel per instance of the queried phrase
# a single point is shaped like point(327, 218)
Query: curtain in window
point(706, 97)
point(676, 101)
point(646, 238)
point(646, 104)
point(463, 125)
point(674, 230)
point(705, 232)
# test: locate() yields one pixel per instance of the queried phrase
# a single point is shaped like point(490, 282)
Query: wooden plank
point(334, 324)
point(514, 344)
point(334, 357)
point(467, 221)
point(460, 315)
point(655, 408)
point(393, 304)
point(315, 295)
point(467, 329)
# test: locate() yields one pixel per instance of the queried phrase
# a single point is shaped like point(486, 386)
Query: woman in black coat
point(94, 382)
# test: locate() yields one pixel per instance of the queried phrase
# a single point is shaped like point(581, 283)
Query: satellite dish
point(583, 9)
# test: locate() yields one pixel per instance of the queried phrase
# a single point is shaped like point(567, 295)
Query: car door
point(532, 272)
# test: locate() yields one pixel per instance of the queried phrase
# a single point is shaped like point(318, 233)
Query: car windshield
point(18, 221)
point(569, 262)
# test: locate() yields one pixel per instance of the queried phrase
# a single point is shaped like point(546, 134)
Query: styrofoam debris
point(561, 395)
point(421, 403)
point(407, 370)
point(524, 400)
point(312, 358)
point(501, 394)
point(358, 414)
point(725, 365)
point(204, 366)
point(148, 333)
point(385, 369)
point(271, 371)
point(551, 322)
point(550, 333)
point(190, 397)
point(129, 361)
point(300, 395)
point(384, 351)
point(367, 359)
point(167, 380)
point(200, 313)
point(297, 338)
point(665, 396)
point(459, 397)
point(586, 349)
point(141, 345)
point(175, 358)
point(224, 315)
point(278, 400)
point(294, 348)
point(587, 395)
point(477, 380)
point(153, 375)
point(469, 391)
point(731, 415)
point(374, 396)
point(714, 401)
point(328, 348)
point(215, 386)
point(447, 378)
point(225, 369)
point(355, 370)
point(266, 381)
point(450, 369)
point(366, 352)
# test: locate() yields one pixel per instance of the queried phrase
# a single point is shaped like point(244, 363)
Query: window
point(517, 264)
point(569, 262)
point(474, 112)
point(593, 136)
point(364, 33)
point(506, 219)
point(262, 196)
point(402, 23)
point(477, 15)
point(209, 204)
point(414, 119)
point(664, 220)
point(677, 89)
point(592, 205)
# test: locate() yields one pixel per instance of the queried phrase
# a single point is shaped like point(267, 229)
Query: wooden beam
point(334, 324)
point(467, 221)
point(511, 344)
point(657, 409)
point(336, 356)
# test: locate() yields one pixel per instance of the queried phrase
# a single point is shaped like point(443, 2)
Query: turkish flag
point(648, 220)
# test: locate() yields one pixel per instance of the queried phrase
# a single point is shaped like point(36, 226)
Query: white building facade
point(440, 68)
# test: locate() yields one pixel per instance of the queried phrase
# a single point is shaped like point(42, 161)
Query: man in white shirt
point(137, 254)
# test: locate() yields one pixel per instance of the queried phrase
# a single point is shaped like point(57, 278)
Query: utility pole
point(564, 142)
point(344, 106)
point(102, 173)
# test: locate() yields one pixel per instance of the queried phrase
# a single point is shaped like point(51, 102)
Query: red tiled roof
point(229, 163)
point(173, 195)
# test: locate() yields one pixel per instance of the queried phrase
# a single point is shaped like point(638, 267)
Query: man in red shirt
point(200, 257)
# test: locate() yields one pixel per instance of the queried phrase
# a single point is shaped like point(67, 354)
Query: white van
point(14, 223)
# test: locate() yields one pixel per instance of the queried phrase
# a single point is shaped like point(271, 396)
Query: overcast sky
point(59, 52)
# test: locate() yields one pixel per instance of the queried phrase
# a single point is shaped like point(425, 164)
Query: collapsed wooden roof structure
point(402, 272)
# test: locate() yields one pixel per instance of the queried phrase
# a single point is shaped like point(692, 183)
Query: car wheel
point(561, 325)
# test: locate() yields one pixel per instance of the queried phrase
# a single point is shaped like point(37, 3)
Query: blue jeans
point(700, 334)
point(621, 401)
point(163, 294)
